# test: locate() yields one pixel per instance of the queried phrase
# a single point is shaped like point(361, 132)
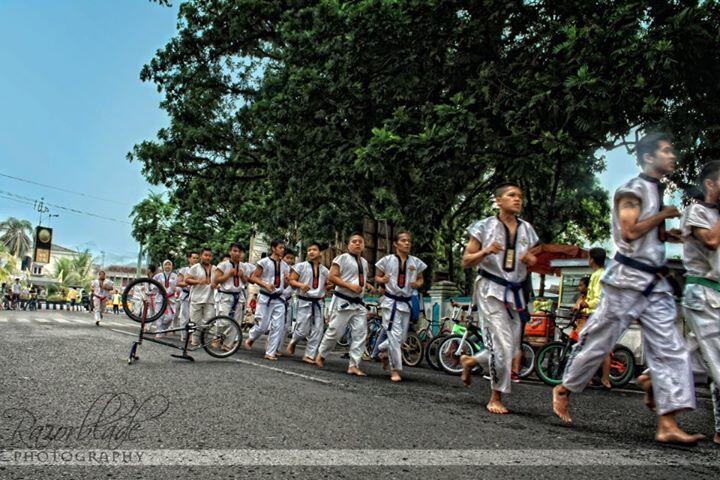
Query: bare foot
point(291, 349)
point(319, 361)
point(678, 437)
point(561, 403)
point(308, 360)
point(717, 438)
point(468, 363)
point(645, 382)
point(272, 358)
point(356, 371)
point(497, 407)
point(395, 376)
point(248, 344)
point(606, 383)
point(384, 359)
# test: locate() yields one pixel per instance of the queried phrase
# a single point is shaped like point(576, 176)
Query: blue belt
point(271, 296)
point(236, 300)
point(396, 299)
point(516, 289)
point(658, 272)
point(314, 301)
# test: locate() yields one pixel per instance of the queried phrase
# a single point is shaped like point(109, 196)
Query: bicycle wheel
point(411, 350)
point(527, 361)
point(144, 297)
point(550, 363)
point(622, 366)
point(450, 352)
point(220, 336)
point(431, 352)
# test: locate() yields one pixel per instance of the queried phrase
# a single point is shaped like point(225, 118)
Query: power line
point(16, 197)
point(33, 182)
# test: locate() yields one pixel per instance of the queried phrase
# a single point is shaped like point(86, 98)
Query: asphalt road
point(67, 388)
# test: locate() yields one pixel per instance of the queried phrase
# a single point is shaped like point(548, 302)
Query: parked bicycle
point(467, 339)
point(553, 358)
point(144, 300)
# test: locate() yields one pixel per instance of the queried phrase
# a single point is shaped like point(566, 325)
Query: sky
point(72, 106)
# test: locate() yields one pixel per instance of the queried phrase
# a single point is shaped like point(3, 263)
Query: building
point(42, 274)
point(120, 275)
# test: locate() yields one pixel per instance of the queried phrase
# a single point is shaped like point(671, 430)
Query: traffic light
point(43, 244)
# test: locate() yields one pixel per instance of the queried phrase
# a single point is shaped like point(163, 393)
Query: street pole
point(139, 262)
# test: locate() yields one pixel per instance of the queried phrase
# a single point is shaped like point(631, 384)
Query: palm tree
point(8, 265)
point(15, 236)
point(72, 272)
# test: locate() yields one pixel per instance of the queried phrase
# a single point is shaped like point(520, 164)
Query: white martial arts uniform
point(630, 294)
point(499, 305)
point(396, 304)
point(183, 310)
point(169, 283)
point(287, 296)
point(270, 311)
point(248, 268)
point(202, 297)
point(231, 298)
point(100, 294)
point(309, 322)
point(701, 303)
point(347, 309)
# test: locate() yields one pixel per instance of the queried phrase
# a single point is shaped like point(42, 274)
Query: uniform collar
point(708, 204)
point(648, 178)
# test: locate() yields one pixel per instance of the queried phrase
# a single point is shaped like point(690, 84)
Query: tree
point(8, 265)
point(74, 272)
point(411, 111)
point(15, 236)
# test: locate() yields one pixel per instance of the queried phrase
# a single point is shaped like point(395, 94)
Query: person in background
point(592, 300)
point(116, 301)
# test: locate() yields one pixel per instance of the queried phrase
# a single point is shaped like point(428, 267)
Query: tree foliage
point(303, 117)
point(15, 235)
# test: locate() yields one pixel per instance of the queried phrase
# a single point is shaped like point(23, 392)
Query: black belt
point(658, 272)
point(396, 299)
point(354, 300)
point(315, 301)
point(271, 296)
point(515, 287)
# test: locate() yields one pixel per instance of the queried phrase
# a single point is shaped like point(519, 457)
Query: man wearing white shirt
point(401, 273)
point(101, 290)
point(202, 292)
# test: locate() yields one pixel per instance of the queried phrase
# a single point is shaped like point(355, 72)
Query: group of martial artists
point(635, 288)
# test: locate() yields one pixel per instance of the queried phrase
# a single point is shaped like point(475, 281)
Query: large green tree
point(328, 111)
point(15, 235)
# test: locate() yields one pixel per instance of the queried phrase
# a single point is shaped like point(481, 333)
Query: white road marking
point(42, 320)
point(358, 458)
point(62, 320)
point(3, 320)
point(287, 372)
point(22, 320)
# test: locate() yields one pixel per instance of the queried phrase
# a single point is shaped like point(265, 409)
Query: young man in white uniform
point(230, 277)
point(184, 309)
point(168, 279)
point(700, 227)
point(289, 259)
point(635, 288)
point(401, 273)
point(310, 279)
point(500, 247)
point(101, 291)
point(270, 275)
point(349, 275)
point(202, 292)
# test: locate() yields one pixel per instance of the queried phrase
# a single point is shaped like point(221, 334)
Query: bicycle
point(467, 339)
point(431, 342)
point(553, 358)
point(220, 336)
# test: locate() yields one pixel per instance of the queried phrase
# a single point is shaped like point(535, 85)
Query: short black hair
point(585, 280)
point(236, 245)
point(289, 251)
point(502, 187)
point(709, 171)
point(396, 236)
point(356, 233)
point(206, 249)
point(276, 242)
point(191, 253)
point(152, 267)
point(649, 144)
point(598, 255)
point(316, 244)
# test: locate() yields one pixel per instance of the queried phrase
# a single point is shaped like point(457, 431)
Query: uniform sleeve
point(533, 238)
point(298, 268)
point(476, 230)
point(420, 265)
point(633, 188)
point(382, 263)
point(339, 261)
point(696, 216)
